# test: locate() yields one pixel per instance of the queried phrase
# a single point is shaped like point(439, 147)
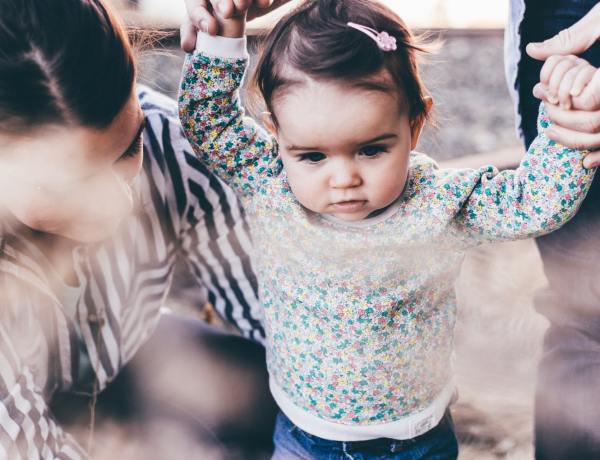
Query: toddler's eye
point(372, 150)
point(313, 157)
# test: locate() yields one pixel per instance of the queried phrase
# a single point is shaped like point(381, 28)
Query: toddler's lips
point(349, 206)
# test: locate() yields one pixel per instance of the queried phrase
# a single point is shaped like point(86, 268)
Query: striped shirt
point(183, 212)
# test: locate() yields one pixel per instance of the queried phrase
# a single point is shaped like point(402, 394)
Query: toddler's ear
point(268, 121)
point(416, 126)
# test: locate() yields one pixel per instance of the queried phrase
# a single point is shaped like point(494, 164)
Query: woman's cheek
point(39, 214)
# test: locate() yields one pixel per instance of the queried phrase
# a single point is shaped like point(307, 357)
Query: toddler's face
point(345, 149)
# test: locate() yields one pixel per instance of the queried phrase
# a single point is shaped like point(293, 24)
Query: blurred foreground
point(498, 342)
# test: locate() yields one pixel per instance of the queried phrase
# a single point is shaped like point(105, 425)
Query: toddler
point(359, 239)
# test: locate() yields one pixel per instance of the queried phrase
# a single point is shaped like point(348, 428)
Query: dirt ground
point(498, 343)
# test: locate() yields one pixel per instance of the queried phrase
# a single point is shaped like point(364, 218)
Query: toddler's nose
point(345, 176)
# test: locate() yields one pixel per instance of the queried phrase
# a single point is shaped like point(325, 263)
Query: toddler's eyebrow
point(300, 147)
point(372, 141)
point(380, 138)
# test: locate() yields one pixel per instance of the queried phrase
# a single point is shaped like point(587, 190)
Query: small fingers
point(262, 7)
point(224, 8)
point(589, 99)
point(580, 74)
point(581, 81)
point(565, 87)
point(263, 3)
point(558, 73)
point(548, 69)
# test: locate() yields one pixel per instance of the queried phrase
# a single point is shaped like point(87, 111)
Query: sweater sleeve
point(543, 193)
point(229, 144)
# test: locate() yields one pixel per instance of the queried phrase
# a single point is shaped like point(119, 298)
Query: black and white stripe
point(183, 212)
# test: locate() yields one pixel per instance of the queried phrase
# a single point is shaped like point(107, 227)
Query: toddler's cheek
point(310, 196)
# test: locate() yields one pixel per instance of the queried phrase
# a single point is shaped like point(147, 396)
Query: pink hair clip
point(384, 40)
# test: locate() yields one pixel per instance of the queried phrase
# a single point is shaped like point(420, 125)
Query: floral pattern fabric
point(360, 320)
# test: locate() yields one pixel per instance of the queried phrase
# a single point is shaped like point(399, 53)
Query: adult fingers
point(576, 129)
point(574, 40)
point(200, 16)
point(577, 120)
point(573, 139)
point(188, 33)
point(592, 160)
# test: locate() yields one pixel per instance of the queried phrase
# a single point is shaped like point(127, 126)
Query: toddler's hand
point(214, 16)
point(563, 78)
point(227, 9)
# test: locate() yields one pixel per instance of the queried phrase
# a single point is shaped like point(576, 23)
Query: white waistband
point(406, 428)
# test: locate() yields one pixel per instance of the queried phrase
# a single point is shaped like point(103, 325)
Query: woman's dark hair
point(314, 39)
point(65, 62)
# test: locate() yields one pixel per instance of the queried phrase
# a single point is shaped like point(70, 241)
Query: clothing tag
point(422, 424)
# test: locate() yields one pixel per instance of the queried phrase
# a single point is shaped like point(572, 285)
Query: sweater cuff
point(232, 48)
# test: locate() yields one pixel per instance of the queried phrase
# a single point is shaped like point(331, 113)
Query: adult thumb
point(574, 40)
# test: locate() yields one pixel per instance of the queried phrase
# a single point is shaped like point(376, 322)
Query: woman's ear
point(416, 126)
point(267, 119)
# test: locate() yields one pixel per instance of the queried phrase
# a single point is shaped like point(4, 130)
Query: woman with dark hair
point(100, 194)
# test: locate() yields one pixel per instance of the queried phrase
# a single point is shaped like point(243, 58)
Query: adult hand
point(577, 122)
point(578, 129)
point(574, 40)
point(201, 16)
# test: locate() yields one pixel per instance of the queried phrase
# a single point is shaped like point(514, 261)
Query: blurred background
point(499, 335)
point(474, 111)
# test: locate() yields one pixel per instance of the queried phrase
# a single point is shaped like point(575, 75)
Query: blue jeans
point(291, 443)
point(567, 406)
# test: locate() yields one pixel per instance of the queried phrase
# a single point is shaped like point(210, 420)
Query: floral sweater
point(360, 319)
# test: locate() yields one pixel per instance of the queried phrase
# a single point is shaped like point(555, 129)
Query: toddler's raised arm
point(232, 146)
point(539, 196)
